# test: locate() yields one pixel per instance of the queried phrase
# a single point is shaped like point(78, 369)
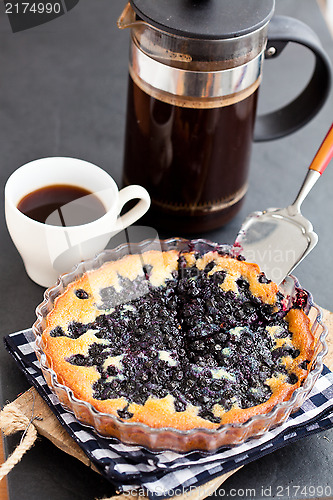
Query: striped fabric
point(166, 474)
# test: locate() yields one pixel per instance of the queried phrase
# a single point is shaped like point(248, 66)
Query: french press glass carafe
point(195, 69)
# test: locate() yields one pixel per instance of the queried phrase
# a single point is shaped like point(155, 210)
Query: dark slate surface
point(63, 92)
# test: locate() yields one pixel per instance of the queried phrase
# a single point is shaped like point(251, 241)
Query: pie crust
point(185, 363)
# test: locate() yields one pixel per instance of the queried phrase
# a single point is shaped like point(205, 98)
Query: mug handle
point(127, 194)
point(303, 108)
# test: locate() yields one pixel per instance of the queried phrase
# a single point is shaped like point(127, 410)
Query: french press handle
point(305, 106)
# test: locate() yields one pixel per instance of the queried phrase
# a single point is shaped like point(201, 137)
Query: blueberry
point(263, 279)
point(217, 386)
point(209, 415)
point(111, 371)
point(243, 284)
point(81, 294)
point(77, 359)
point(179, 405)
point(219, 277)
point(209, 267)
point(295, 353)
point(293, 379)
point(277, 353)
point(57, 332)
point(304, 364)
point(125, 414)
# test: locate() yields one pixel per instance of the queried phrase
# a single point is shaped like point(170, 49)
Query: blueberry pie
point(179, 339)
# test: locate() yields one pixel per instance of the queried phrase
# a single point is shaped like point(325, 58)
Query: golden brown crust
point(241, 269)
point(161, 412)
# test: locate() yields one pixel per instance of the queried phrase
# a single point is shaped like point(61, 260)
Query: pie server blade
point(279, 239)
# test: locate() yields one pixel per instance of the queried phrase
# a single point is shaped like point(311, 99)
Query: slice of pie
point(179, 339)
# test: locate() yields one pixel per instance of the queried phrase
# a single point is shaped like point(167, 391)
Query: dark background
point(63, 93)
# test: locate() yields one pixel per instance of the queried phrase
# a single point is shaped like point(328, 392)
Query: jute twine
point(12, 420)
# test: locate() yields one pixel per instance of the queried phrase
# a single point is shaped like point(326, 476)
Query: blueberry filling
point(129, 290)
point(188, 338)
point(76, 329)
point(78, 360)
point(301, 298)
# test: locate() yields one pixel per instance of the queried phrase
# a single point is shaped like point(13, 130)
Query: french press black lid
point(205, 19)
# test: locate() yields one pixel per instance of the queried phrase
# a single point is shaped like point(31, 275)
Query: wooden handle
point(324, 153)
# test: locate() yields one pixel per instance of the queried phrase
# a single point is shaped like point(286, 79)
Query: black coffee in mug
point(62, 205)
point(195, 70)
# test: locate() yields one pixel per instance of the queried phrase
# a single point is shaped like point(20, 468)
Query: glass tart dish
point(178, 345)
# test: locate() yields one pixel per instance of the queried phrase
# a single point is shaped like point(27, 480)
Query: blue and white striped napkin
point(165, 474)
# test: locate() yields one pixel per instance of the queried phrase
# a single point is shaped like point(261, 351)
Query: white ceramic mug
point(49, 250)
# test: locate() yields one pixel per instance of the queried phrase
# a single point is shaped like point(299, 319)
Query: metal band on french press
point(197, 84)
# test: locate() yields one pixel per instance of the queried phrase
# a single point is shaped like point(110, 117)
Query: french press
point(194, 73)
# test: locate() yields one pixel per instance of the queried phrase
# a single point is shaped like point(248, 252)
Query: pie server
point(278, 239)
